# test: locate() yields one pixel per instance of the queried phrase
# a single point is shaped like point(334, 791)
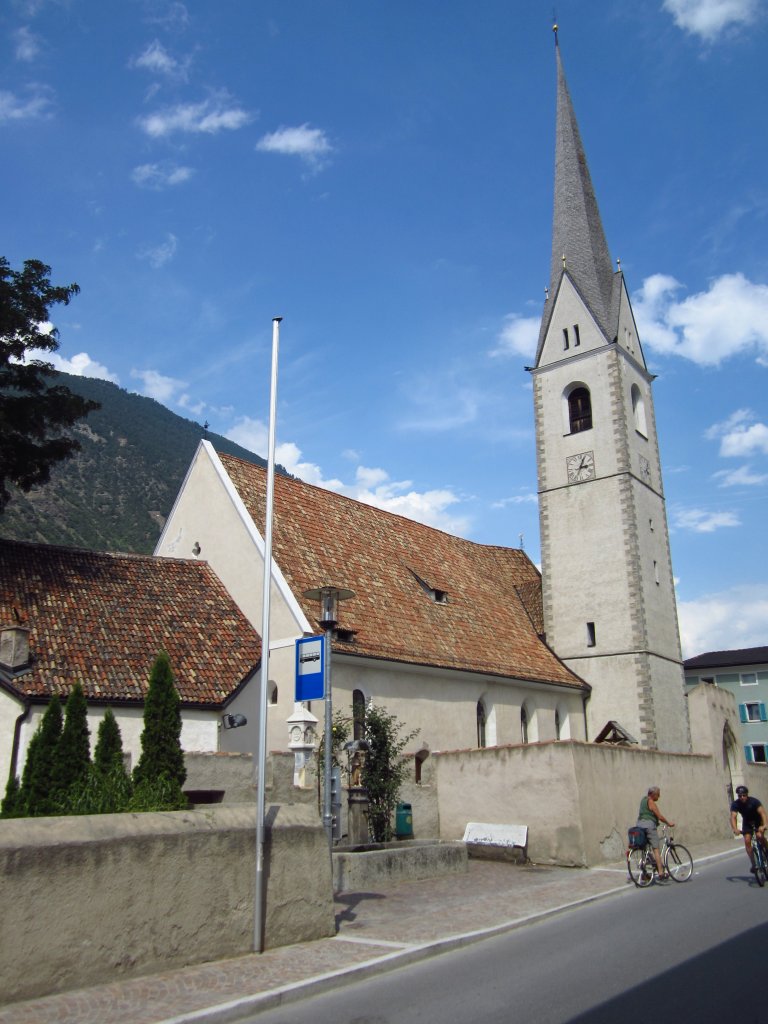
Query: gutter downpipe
point(27, 705)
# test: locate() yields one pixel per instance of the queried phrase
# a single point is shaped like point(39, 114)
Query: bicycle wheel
point(760, 871)
point(640, 869)
point(678, 862)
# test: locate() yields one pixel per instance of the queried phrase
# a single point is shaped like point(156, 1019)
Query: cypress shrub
point(160, 771)
point(73, 752)
point(107, 787)
point(35, 793)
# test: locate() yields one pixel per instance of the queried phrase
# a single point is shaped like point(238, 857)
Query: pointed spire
point(579, 247)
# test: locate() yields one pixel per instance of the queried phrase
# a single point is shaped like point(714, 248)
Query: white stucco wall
point(443, 705)
point(199, 731)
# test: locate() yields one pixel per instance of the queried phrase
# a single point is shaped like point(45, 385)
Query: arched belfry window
point(524, 724)
point(480, 724)
point(638, 411)
point(579, 410)
point(358, 714)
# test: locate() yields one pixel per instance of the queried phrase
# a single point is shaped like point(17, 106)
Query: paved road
point(674, 952)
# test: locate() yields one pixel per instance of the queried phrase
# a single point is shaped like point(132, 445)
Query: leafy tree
point(33, 412)
point(35, 793)
point(161, 766)
point(384, 770)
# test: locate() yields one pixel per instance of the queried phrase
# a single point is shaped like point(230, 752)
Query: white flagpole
point(261, 761)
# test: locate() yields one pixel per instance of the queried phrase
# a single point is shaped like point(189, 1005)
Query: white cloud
point(741, 477)
point(156, 59)
point(311, 144)
point(740, 436)
point(371, 486)
point(517, 499)
point(159, 176)
point(728, 319)
point(519, 336)
point(80, 365)
point(157, 386)
point(174, 16)
point(746, 440)
point(709, 18)
point(726, 620)
point(699, 521)
point(157, 256)
point(209, 117)
point(35, 106)
point(27, 44)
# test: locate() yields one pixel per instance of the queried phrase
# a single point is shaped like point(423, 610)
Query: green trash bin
point(404, 821)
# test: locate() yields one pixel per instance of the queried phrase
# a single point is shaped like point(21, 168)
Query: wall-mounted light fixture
point(233, 721)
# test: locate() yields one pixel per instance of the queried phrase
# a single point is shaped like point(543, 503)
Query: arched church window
point(638, 411)
point(358, 714)
point(579, 410)
point(524, 725)
point(557, 723)
point(480, 724)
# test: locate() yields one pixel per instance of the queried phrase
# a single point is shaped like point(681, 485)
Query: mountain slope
point(115, 494)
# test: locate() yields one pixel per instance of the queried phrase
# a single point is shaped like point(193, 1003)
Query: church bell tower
point(609, 600)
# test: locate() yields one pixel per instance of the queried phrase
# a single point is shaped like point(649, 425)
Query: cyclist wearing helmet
point(752, 813)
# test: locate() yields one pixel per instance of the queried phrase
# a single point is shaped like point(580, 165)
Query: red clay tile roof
point(322, 538)
point(101, 619)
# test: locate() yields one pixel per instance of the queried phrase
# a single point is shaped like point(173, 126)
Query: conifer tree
point(108, 788)
point(109, 744)
point(160, 773)
point(10, 807)
point(73, 752)
point(35, 797)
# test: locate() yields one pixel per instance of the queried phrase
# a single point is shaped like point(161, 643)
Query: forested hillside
point(115, 494)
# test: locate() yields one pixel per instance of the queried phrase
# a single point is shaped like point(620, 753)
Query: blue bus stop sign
point(310, 668)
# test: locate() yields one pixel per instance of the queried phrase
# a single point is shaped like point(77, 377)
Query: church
point(469, 645)
point(466, 642)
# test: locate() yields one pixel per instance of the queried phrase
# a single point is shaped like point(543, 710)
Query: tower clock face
point(580, 467)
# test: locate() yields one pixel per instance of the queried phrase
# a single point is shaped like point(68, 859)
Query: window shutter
point(750, 756)
point(763, 716)
point(743, 712)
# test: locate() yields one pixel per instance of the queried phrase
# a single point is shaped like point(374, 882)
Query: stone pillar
point(302, 735)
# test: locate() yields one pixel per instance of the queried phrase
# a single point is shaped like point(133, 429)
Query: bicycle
point(677, 861)
point(759, 858)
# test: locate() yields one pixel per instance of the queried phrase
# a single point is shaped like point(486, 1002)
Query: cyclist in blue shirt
point(752, 814)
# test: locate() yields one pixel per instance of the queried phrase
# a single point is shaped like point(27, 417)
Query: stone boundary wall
point(578, 799)
point(93, 898)
point(232, 775)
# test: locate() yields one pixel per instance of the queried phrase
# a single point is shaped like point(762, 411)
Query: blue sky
point(380, 175)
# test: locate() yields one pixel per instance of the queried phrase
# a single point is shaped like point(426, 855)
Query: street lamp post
point(329, 598)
